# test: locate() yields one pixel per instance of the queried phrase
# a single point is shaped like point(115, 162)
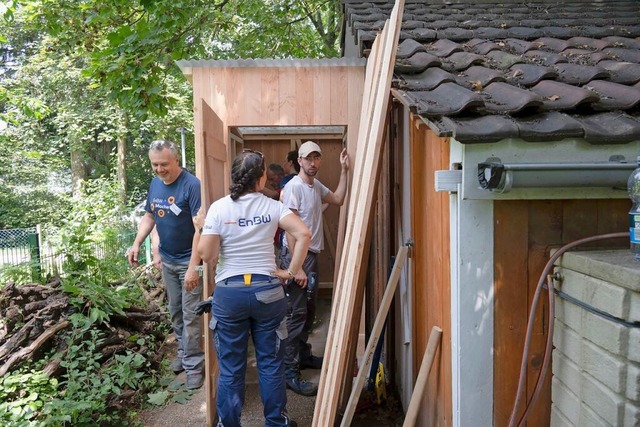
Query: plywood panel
point(431, 261)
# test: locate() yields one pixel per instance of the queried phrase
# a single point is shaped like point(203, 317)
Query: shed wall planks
point(432, 277)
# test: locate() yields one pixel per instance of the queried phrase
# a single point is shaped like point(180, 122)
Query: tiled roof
point(541, 71)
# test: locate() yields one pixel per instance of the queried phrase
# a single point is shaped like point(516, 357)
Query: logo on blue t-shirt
point(248, 222)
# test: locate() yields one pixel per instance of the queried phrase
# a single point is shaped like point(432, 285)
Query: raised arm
point(337, 197)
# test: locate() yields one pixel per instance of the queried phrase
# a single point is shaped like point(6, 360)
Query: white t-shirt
point(246, 228)
point(307, 200)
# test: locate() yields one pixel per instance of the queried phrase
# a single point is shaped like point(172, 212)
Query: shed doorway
point(275, 142)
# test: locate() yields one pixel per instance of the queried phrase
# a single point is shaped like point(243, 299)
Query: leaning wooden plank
point(361, 199)
point(381, 317)
point(421, 381)
point(351, 261)
point(339, 289)
point(342, 287)
point(354, 275)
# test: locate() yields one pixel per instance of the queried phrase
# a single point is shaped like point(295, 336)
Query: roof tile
point(610, 128)
point(428, 79)
point(561, 96)
point(576, 74)
point(417, 63)
point(477, 77)
point(530, 74)
point(447, 98)
point(548, 126)
point(614, 96)
point(505, 98)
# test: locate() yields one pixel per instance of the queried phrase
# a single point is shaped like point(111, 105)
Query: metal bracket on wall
point(448, 180)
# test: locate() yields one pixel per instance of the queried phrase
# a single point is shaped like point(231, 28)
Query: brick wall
point(596, 361)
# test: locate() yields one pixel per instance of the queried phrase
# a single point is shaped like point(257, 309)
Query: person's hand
point(300, 278)
point(157, 260)
point(132, 254)
point(191, 279)
point(198, 220)
point(344, 159)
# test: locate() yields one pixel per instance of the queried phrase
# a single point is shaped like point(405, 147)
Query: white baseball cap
point(308, 148)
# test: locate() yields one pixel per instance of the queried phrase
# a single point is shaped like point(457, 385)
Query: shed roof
point(482, 71)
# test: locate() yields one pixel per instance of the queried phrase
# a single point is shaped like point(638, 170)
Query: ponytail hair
point(246, 171)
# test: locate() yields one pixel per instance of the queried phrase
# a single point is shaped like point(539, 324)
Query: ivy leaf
point(158, 398)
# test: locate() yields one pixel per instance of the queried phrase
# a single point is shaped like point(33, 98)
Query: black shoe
point(311, 362)
point(302, 387)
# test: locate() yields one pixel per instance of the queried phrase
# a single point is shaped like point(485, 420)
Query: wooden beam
point(421, 381)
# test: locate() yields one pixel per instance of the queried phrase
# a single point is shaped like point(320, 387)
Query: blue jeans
point(186, 323)
point(237, 310)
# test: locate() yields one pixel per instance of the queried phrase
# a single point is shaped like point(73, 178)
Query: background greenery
point(85, 86)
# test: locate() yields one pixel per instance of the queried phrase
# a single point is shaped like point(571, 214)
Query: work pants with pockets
point(238, 310)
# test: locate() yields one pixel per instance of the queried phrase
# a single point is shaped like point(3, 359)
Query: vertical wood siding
point(431, 260)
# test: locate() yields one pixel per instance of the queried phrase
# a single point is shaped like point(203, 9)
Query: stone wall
point(596, 360)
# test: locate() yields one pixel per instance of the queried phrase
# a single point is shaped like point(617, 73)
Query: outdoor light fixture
point(493, 175)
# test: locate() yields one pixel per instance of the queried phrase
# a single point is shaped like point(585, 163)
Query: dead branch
point(36, 344)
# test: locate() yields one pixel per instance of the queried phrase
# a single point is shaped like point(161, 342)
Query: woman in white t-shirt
point(249, 298)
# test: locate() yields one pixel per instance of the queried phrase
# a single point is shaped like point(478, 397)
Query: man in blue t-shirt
point(172, 202)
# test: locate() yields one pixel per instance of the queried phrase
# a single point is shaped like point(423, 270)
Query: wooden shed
point(511, 132)
point(272, 106)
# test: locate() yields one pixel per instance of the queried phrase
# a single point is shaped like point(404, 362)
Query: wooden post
point(421, 381)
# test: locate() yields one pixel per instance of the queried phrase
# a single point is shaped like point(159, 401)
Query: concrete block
point(609, 335)
point(631, 415)
point(601, 400)
point(609, 369)
point(634, 307)
point(588, 418)
point(634, 345)
point(633, 382)
point(567, 372)
point(602, 295)
point(569, 314)
point(615, 266)
point(565, 401)
point(567, 341)
point(558, 419)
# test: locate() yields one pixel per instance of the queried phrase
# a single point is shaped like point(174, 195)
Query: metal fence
point(33, 251)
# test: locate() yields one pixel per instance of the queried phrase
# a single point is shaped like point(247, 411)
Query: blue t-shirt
point(286, 179)
point(173, 206)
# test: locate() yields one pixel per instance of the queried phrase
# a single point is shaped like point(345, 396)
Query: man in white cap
point(304, 195)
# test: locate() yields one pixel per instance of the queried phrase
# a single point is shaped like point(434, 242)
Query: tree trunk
point(78, 170)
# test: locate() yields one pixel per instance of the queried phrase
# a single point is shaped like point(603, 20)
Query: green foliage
point(18, 273)
point(89, 384)
point(23, 394)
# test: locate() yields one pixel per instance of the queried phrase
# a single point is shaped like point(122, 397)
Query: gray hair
point(160, 144)
point(276, 167)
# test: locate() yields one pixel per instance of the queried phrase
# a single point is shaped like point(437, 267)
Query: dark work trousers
point(300, 314)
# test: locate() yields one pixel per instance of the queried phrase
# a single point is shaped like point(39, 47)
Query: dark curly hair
point(247, 169)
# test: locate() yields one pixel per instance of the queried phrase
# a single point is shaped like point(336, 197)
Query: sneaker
point(311, 362)
point(301, 386)
point(176, 365)
point(194, 381)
